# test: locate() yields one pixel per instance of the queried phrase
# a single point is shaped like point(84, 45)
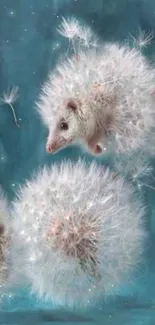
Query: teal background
point(29, 47)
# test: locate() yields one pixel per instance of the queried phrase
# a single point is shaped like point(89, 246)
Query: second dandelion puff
point(78, 233)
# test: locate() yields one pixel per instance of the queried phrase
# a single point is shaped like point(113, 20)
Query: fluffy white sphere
point(78, 232)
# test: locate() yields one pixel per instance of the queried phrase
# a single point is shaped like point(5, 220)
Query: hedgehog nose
point(51, 148)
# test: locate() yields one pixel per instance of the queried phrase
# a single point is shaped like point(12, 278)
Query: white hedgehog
point(101, 95)
point(74, 240)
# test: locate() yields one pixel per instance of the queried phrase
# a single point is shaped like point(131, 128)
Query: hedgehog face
point(66, 129)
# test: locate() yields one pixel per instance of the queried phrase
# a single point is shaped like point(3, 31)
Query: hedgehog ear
point(72, 104)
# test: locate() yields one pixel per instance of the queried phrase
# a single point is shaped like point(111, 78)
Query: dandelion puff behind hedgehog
point(9, 98)
point(103, 98)
point(78, 233)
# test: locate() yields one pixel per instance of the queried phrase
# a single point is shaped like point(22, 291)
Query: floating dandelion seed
point(69, 28)
point(143, 39)
point(9, 98)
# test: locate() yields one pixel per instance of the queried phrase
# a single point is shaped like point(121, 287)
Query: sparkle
point(28, 239)
point(11, 13)
point(35, 227)
point(32, 258)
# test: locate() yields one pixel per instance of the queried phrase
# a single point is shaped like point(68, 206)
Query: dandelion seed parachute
point(112, 89)
point(71, 28)
point(10, 98)
point(78, 232)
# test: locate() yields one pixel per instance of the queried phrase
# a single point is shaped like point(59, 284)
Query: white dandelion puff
point(87, 240)
point(9, 98)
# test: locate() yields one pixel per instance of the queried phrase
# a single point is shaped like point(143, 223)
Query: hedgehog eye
point(64, 126)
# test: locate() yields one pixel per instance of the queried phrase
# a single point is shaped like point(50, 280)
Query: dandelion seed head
point(83, 244)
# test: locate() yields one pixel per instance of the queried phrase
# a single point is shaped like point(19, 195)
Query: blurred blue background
point(29, 47)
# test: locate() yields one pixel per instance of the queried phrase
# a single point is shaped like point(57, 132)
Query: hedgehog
point(99, 97)
point(75, 242)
